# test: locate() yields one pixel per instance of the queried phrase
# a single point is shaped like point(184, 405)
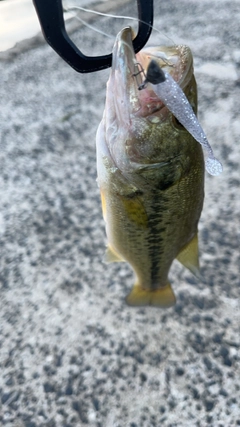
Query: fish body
point(150, 173)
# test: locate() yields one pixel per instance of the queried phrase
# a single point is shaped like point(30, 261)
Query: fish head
point(137, 124)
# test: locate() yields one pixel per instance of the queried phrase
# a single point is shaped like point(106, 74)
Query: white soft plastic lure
point(170, 93)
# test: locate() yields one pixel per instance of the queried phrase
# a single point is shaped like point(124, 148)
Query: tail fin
point(163, 297)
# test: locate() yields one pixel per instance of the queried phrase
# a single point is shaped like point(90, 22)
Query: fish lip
point(123, 51)
point(122, 99)
point(121, 78)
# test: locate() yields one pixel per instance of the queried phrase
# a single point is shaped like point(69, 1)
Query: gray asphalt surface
point(72, 353)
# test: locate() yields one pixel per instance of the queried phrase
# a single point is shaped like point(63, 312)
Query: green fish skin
point(150, 172)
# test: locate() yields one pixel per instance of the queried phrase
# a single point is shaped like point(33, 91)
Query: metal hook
point(50, 14)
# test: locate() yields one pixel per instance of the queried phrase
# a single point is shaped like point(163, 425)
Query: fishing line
point(110, 15)
point(92, 27)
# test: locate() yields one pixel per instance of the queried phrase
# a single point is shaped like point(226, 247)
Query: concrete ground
point(72, 353)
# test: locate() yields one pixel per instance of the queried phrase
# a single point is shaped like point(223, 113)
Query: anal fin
point(162, 297)
point(112, 256)
point(188, 256)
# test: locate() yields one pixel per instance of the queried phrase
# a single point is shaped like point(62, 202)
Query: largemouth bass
point(150, 172)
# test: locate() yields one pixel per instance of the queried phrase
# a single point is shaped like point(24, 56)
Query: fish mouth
point(129, 70)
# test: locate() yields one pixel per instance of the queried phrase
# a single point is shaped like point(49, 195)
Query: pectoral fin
point(188, 256)
point(135, 210)
point(112, 256)
point(103, 200)
point(163, 297)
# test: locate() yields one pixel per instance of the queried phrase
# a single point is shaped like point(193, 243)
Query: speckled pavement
point(72, 353)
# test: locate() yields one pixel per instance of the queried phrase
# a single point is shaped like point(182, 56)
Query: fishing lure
point(171, 94)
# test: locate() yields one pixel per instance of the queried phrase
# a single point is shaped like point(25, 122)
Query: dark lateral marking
point(155, 74)
point(156, 240)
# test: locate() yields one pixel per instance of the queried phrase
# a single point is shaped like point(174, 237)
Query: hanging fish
point(150, 168)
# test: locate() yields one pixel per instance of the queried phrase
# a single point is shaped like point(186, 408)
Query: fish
point(150, 171)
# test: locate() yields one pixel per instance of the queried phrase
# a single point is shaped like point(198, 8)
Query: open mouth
point(130, 71)
point(175, 60)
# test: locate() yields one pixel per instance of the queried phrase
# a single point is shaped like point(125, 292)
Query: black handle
point(50, 14)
